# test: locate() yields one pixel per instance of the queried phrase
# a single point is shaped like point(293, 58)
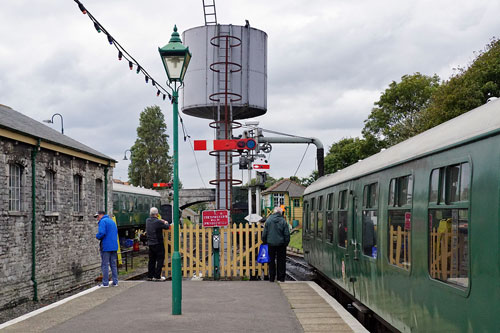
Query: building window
point(77, 193)
point(319, 225)
point(342, 219)
point(99, 194)
point(278, 199)
point(15, 193)
point(329, 217)
point(400, 200)
point(449, 224)
point(296, 202)
point(49, 191)
point(370, 213)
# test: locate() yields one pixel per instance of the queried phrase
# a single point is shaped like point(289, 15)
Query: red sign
point(162, 184)
point(407, 221)
point(215, 218)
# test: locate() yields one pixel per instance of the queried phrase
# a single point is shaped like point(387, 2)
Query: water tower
point(226, 81)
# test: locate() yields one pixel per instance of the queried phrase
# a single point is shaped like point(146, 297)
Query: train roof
point(480, 122)
point(133, 189)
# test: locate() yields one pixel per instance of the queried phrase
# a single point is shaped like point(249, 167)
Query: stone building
point(51, 185)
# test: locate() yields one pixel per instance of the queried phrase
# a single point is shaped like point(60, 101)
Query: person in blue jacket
point(108, 235)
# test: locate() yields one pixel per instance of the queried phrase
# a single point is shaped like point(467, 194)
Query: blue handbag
point(263, 257)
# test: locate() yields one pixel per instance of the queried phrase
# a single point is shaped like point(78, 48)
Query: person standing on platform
point(277, 236)
point(154, 232)
point(108, 235)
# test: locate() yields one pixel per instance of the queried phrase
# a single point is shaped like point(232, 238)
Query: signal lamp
point(130, 65)
point(110, 40)
point(97, 27)
point(84, 11)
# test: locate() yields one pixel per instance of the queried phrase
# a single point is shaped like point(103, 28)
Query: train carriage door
point(353, 245)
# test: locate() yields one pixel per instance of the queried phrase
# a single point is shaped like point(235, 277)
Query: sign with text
point(215, 218)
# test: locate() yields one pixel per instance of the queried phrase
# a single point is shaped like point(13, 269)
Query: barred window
point(319, 230)
point(329, 218)
point(99, 194)
point(400, 200)
point(15, 190)
point(77, 193)
point(49, 191)
point(370, 218)
point(342, 219)
point(449, 224)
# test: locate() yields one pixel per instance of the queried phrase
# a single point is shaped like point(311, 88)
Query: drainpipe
point(106, 189)
point(34, 152)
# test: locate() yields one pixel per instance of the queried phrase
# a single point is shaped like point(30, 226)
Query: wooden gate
point(239, 246)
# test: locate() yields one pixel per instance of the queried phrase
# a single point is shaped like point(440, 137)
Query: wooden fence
point(399, 247)
point(239, 246)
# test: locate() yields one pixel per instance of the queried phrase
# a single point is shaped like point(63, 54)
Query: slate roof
point(17, 122)
point(293, 189)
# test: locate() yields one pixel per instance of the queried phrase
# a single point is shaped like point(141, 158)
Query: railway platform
point(207, 306)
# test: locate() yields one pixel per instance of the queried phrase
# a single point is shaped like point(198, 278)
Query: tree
point(395, 115)
point(469, 88)
point(349, 151)
point(150, 162)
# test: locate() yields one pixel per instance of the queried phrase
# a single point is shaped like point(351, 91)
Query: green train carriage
point(413, 232)
point(131, 207)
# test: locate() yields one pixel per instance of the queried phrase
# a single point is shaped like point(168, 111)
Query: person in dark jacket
point(154, 232)
point(108, 235)
point(276, 235)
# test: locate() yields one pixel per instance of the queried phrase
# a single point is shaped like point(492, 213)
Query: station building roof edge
point(17, 126)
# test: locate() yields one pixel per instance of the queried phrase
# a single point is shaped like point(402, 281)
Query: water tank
point(247, 71)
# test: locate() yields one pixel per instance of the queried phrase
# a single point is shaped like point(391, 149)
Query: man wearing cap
point(108, 235)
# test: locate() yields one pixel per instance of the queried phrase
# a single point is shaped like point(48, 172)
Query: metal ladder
point(209, 12)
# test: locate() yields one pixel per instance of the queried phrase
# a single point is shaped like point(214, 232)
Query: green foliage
point(296, 240)
point(150, 162)
point(395, 115)
point(349, 151)
point(467, 89)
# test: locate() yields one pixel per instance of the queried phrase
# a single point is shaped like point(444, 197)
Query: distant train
point(131, 207)
point(413, 232)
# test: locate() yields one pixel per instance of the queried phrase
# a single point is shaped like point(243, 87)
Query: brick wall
point(67, 253)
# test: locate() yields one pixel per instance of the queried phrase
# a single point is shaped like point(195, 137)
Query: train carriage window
point(342, 219)
point(399, 220)
point(319, 224)
point(312, 221)
point(329, 218)
point(306, 217)
point(370, 214)
point(449, 225)
point(123, 202)
point(116, 203)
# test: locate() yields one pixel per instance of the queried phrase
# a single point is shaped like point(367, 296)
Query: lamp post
point(175, 58)
point(125, 154)
point(51, 121)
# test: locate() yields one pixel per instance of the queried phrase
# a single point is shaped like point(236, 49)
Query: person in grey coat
point(276, 235)
point(154, 232)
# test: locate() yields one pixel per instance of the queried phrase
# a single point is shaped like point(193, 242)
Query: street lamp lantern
point(175, 58)
point(125, 155)
point(51, 121)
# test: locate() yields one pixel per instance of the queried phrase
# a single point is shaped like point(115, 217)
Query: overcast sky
point(328, 62)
